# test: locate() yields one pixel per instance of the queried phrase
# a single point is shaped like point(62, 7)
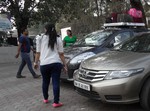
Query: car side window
point(121, 37)
point(135, 33)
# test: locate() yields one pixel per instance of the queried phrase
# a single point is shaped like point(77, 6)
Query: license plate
point(82, 85)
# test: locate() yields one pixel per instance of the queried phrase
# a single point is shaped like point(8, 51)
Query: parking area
point(25, 95)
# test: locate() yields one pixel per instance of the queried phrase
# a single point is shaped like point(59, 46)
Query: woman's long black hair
point(51, 32)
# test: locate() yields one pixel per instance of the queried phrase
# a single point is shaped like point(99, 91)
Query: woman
point(69, 39)
point(49, 50)
point(136, 13)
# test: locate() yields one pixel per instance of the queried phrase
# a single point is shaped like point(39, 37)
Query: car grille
point(91, 76)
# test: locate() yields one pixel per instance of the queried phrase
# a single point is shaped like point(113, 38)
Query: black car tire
point(145, 96)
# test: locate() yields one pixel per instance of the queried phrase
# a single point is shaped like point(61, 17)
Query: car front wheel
point(145, 96)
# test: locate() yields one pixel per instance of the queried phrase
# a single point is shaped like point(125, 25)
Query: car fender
point(144, 80)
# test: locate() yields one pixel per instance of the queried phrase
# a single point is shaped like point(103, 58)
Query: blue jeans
point(54, 71)
point(26, 60)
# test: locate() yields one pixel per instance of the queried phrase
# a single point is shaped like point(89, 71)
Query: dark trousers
point(26, 60)
point(54, 71)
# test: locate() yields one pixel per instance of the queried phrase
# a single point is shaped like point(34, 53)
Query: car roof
point(125, 28)
point(115, 29)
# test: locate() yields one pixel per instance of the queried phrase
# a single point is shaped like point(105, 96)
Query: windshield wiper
point(142, 51)
point(120, 50)
point(81, 45)
point(92, 45)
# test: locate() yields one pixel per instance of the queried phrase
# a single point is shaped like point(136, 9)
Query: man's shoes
point(20, 76)
point(36, 76)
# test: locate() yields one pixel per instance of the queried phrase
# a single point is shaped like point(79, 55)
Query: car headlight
point(123, 74)
point(82, 57)
point(76, 74)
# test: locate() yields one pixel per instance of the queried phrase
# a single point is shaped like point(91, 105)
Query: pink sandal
point(45, 101)
point(55, 105)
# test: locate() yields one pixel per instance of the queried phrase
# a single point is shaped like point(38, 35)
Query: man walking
point(24, 47)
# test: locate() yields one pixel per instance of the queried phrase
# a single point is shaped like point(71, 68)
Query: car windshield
point(94, 39)
point(137, 44)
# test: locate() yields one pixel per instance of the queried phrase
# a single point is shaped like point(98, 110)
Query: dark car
point(95, 43)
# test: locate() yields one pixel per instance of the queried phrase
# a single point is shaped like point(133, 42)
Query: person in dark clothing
point(108, 20)
point(24, 48)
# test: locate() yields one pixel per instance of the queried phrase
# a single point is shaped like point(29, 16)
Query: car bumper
point(112, 91)
point(69, 74)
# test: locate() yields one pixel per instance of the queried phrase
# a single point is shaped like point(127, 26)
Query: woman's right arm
point(61, 53)
point(62, 57)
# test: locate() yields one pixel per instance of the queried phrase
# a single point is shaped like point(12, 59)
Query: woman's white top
point(47, 55)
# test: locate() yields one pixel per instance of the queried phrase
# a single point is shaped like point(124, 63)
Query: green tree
point(30, 12)
point(21, 11)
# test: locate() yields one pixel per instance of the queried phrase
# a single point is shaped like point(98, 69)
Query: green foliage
point(33, 12)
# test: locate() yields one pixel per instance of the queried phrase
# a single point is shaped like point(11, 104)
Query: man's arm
point(32, 49)
point(18, 51)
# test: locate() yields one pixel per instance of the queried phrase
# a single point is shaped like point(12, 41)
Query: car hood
point(115, 60)
point(70, 52)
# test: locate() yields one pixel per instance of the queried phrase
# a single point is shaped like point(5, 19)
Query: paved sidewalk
point(26, 95)
point(7, 55)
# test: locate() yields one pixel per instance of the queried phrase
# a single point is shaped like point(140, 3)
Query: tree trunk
point(98, 12)
point(21, 16)
point(23, 23)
